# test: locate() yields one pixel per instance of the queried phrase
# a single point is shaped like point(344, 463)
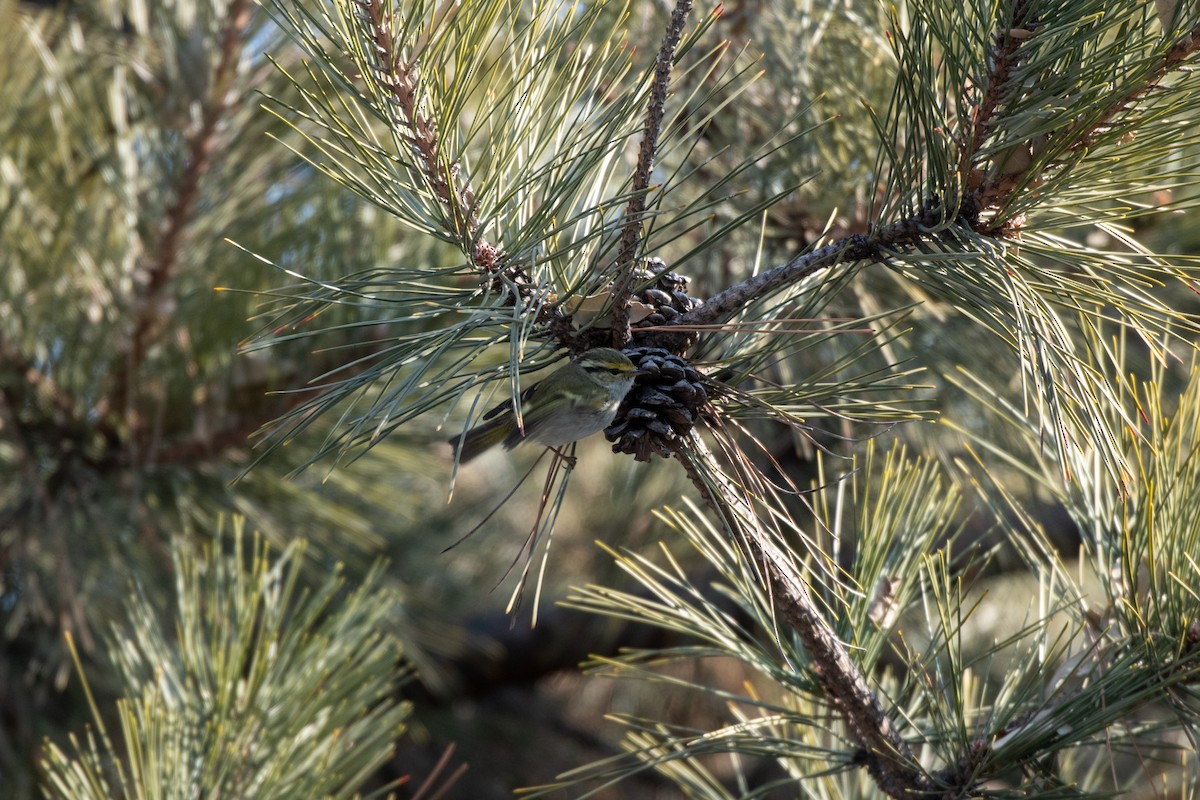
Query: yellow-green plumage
point(483, 437)
point(576, 400)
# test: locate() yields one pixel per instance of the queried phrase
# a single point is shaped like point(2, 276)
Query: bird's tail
point(482, 437)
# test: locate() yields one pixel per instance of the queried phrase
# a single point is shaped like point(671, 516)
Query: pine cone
point(667, 295)
point(662, 406)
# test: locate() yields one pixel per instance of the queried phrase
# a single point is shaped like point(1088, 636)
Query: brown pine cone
point(661, 408)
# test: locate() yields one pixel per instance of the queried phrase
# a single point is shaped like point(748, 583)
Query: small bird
point(574, 401)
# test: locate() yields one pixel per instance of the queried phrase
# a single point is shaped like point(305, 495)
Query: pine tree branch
point(1000, 88)
point(150, 315)
point(1141, 678)
point(631, 234)
point(399, 75)
point(858, 247)
point(1184, 47)
point(994, 189)
point(984, 192)
point(888, 759)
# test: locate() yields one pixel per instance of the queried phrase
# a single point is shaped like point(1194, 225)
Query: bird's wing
point(508, 404)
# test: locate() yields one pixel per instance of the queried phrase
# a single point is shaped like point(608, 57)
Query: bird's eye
point(614, 371)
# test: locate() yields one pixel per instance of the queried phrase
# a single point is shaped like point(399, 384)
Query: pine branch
point(858, 247)
point(631, 234)
point(1174, 59)
point(259, 686)
point(986, 193)
point(1089, 695)
point(1184, 48)
point(888, 758)
point(1014, 172)
point(399, 75)
point(150, 317)
point(999, 87)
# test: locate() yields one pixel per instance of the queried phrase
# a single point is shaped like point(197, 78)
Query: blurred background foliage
point(141, 140)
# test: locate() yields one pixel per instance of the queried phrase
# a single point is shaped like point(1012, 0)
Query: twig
point(1000, 88)
point(859, 247)
point(399, 75)
point(1184, 47)
point(150, 315)
point(888, 759)
point(631, 234)
point(434, 787)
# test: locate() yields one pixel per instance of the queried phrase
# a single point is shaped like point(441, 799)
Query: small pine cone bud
point(487, 257)
point(661, 408)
